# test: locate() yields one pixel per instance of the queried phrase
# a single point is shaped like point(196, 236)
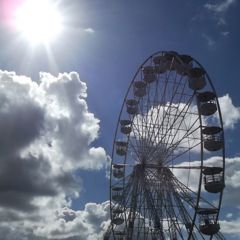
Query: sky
point(59, 105)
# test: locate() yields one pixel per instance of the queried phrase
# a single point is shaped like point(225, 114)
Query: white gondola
point(117, 197)
point(158, 60)
point(118, 221)
point(162, 64)
point(149, 74)
point(118, 173)
point(132, 106)
point(208, 224)
point(185, 66)
point(106, 236)
point(117, 189)
point(149, 78)
point(120, 234)
point(196, 80)
point(213, 179)
point(172, 60)
point(117, 211)
point(213, 138)
point(121, 148)
point(148, 70)
point(186, 59)
point(139, 88)
point(126, 126)
point(118, 166)
point(207, 103)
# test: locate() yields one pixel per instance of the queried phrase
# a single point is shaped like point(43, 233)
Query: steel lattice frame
point(158, 157)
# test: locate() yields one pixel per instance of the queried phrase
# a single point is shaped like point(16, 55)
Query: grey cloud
point(21, 122)
point(46, 133)
point(21, 180)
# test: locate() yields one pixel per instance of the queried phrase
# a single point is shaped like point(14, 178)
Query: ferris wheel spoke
point(183, 111)
point(135, 140)
point(162, 100)
point(165, 116)
point(134, 149)
point(181, 154)
point(132, 214)
point(185, 216)
point(186, 194)
point(151, 123)
point(180, 129)
point(153, 213)
point(173, 146)
point(176, 191)
point(171, 210)
point(174, 121)
point(188, 132)
point(170, 205)
point(166, 113)
point(189, 195)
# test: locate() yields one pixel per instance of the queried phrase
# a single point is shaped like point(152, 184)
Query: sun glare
point(38, 21)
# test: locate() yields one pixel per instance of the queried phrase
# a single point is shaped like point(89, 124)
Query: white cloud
point(229, 215)
point(225, 34)
point(89, 30)
point(232, 179)
point(46, 133)
point(89, 223)
point(189, 178)
point(221, 22)
point(209, 40)
point(231, 227)
point(230, 113)
point(63, 223)
point(220, 7)
point(219, 11)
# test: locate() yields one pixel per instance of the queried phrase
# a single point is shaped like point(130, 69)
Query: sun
point(39, 21)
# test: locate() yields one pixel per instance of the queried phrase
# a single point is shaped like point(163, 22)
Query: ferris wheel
point(168, 158)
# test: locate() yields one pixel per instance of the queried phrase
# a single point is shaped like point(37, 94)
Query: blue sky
point(105, 42)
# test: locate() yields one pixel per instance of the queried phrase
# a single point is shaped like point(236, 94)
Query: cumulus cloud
point(64, 223)
point(46, 134)
point(230, 113)
point(89, 223)
point(232, 179)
